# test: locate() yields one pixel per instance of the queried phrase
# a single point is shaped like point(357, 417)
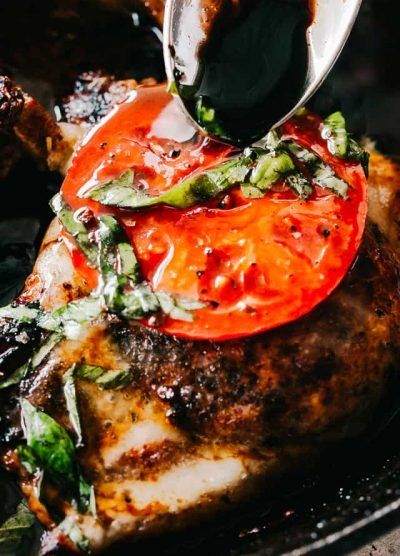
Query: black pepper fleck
point(174, 153)
point(379, 312)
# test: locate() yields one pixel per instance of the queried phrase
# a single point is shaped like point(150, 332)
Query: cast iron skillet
point(356, 496)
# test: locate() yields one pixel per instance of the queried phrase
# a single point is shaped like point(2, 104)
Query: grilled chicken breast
point(202, 424)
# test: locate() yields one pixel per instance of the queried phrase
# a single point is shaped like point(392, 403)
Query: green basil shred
point(340, 143)
point(74, 227)
point(50, 444)
point(104, 378)
point(72, 403)
point(256, 171)
point(334, 131)
point(21, 313)
point(18, 532)
point(71, 529)
point(39, 356)
point(50, 448)
point(207, 118)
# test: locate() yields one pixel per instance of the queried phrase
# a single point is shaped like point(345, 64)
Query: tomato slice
point(256, 263)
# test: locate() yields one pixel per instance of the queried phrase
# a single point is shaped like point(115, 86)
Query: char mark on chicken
point(11, 102)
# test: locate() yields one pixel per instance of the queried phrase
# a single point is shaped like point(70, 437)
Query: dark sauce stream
point(252, 66)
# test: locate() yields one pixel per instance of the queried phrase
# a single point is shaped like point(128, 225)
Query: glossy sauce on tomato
point(256, 263)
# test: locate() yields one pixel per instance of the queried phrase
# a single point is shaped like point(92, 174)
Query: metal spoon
point(184, 37)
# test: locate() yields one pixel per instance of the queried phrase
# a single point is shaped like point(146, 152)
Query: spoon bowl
point(185, 36)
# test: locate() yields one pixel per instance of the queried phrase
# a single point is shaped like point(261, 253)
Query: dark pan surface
point(355, 496)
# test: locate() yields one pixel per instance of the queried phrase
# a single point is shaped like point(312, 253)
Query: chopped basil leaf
point(257, 170)
point(89, 372)
point(72, 318)
point(15, 377)
point(299, 184)
point(20, 313)
point(23, 371)
point(50, 444)
point(48, 345)
point(359, 154)
point(71, 529)
point(17, 532)
point(207, 185)
point(140, 301)
point(72, 403)
point(273, 141)
point(334, 131)
point(27, 458)
point(114, 380)
point(116, 255)
point(186, 303)
point(339, 142)
point(87, 499)
point(105, 379)
point(304, 155)
point(121, 291)
point(132, 303)
point(116, 192)
point(322, 174)
point(107, 241)
point(39, 484)
point(192, 190)
point(271, 168)
point(178, 308)
point(74, 227)
point(68, 320)
point(172, 88)
point(128, 261)
point(92, 501)
point(207, 118)
point(325, 177)
point(50, 449)
point(251, 191)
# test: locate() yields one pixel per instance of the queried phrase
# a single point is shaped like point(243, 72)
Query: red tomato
point(257, 263)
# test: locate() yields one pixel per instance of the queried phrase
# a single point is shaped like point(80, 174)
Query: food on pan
point(239, 67)
point(201, 321)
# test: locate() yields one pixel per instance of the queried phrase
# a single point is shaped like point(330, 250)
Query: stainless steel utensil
point(326, 37)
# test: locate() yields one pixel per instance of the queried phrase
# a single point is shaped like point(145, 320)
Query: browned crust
point(95, 94)
point(11, 102)
point(41, 136)
point(319, 376)
point(33, 126)
point(384, 192)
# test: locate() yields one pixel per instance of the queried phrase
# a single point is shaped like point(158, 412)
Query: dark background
point(365, 82)
point(45, 45)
